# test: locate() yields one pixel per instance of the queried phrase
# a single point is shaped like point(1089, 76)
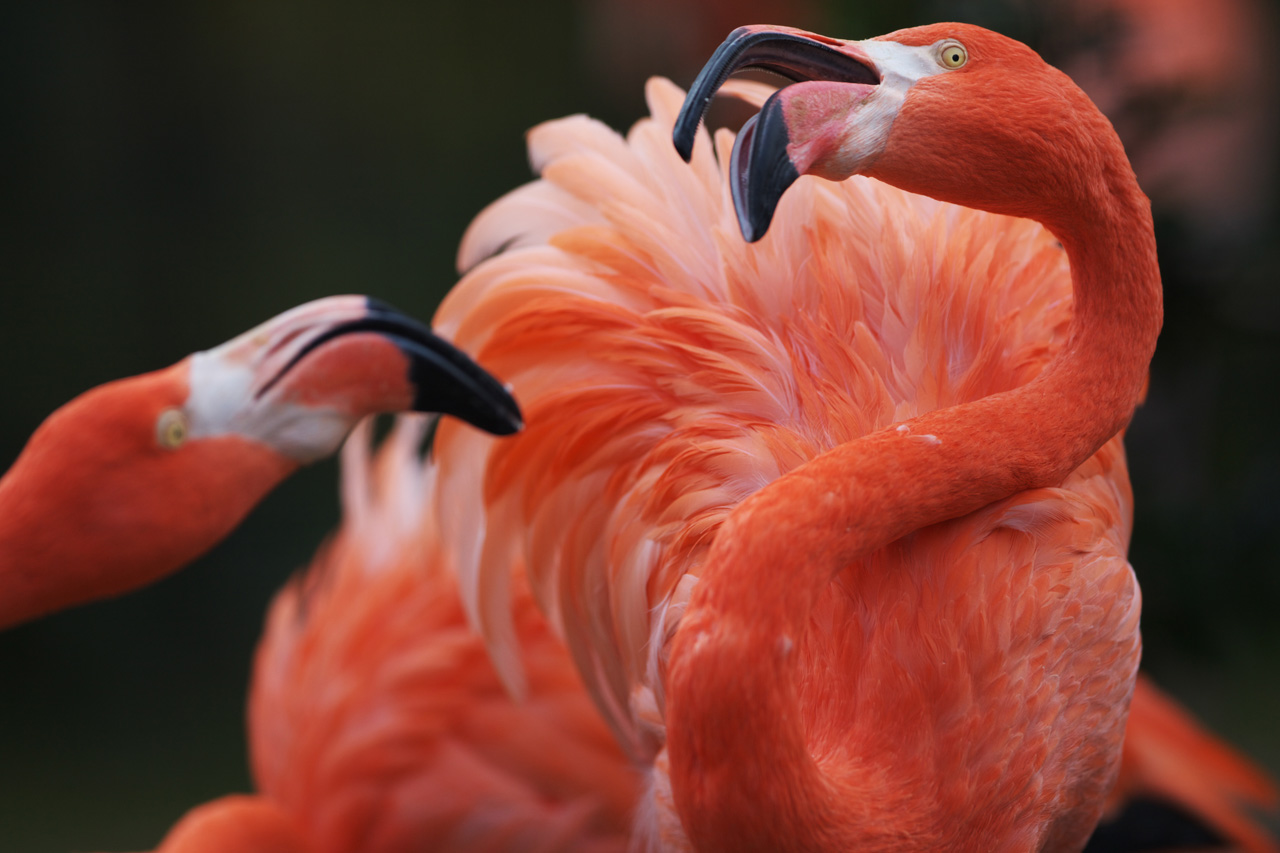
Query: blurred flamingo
point(1179, 787)
point(376, 723)
point(136, 478)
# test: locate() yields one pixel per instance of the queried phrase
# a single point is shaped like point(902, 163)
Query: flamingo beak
point(765, 160)
point(380, 360)
point(440, 377)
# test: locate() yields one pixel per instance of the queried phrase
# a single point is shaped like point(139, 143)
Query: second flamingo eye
point(171, 429)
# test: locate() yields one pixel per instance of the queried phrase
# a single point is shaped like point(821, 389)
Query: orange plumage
point(376, 723)
point(962, 685)
point(670, 371)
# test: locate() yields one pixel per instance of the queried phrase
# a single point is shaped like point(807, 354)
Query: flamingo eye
point(171, 429)
point(953, 54)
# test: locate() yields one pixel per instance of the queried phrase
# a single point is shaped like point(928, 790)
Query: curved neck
point(744, 778)
point(92, 508)
point(44, 552)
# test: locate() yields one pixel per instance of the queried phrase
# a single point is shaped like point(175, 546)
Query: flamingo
point(134, 479)
point(833, 525)
point(977, 765)
point(1169, 760)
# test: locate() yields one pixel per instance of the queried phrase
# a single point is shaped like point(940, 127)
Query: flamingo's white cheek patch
point(301, 433)
point(223, 401)
point(219, 389)
point(867, 127)
point(901, 65)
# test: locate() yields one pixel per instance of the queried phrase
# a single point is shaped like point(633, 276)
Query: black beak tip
point(683, 143)
point(491, 409)
point(722, 63)
point(502, 416)
point(761, 169)
point(448, 382)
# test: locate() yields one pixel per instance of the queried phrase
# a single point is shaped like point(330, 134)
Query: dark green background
point(176, 174)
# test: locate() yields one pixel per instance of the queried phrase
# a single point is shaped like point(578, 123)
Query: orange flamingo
point(136, 478)
point(999, 715)
point(1169, 760)
point(834, 527)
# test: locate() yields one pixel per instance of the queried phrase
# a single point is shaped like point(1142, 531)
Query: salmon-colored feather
point(240, 822)
point(376, 721)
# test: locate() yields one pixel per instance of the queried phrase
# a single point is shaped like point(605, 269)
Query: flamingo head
point(929, 109)
point(137, 477)
point(300, 382)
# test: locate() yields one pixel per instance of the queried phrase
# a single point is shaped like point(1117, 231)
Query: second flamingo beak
point(300, 381)
point(439, 377)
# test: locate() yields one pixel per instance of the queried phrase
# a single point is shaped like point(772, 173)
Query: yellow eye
point(953, 54)
point(171, 428)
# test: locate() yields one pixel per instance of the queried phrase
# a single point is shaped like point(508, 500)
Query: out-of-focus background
point(177, 174)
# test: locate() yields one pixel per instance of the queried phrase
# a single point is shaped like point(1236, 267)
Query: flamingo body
point(668, 378)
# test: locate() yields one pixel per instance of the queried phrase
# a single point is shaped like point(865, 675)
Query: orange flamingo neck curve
point(94, 507)
point(741, 771)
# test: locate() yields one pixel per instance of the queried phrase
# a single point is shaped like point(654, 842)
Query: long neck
point(20, 576)
point(50, 558)
point(740, 768)
point(91, 508)
point(46, 554)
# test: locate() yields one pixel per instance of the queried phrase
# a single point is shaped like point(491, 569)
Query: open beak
point(763, 164)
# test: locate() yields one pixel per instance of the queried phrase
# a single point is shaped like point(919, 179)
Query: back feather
point(376, 719)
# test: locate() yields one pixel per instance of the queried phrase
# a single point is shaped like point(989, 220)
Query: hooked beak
point(301, 380)
point(442, 378)
point(763, 165)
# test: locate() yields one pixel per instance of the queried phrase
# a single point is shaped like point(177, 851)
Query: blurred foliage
point(177, 173)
